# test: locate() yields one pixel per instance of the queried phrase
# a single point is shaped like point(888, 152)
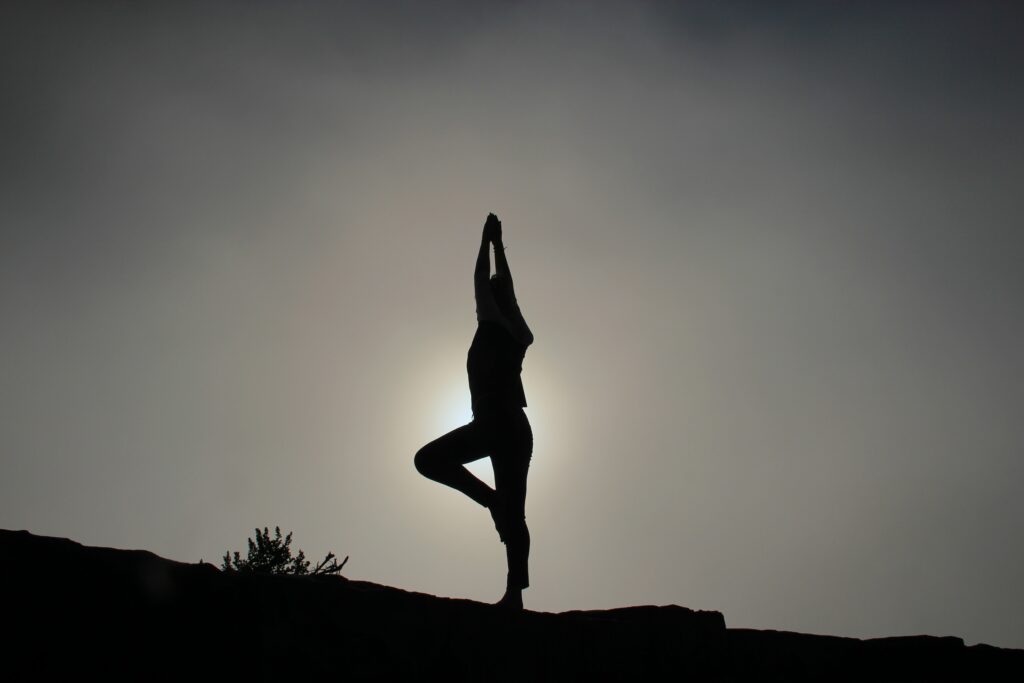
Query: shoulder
point(524, 336)
point(501, 326)
point(519, 334)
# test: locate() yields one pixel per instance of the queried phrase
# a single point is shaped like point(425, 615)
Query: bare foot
point(512, 600)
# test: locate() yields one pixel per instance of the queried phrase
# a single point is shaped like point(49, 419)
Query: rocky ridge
point(130, 614)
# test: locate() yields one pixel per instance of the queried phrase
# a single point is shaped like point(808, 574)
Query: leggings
point(504, 434)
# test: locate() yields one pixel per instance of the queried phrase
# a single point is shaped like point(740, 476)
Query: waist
point(496, 402)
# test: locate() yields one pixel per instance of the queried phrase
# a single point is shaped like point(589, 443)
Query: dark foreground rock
point(129, 614)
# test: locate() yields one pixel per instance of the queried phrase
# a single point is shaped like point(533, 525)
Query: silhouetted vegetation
point(274, 556)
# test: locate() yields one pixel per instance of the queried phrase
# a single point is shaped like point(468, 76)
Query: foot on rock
point(511, 601)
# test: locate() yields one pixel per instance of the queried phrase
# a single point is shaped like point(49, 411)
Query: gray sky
point(771, 259)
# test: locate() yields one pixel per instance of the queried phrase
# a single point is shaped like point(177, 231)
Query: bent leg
point(443, 458)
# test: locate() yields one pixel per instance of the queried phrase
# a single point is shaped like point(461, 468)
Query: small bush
point(274, 556)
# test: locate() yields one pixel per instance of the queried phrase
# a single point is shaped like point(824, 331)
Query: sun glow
point(443, 404)
point(453, 411)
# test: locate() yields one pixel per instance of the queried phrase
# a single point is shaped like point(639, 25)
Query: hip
point(504, 423)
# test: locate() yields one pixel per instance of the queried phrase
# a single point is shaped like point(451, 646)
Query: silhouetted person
point(499, 428)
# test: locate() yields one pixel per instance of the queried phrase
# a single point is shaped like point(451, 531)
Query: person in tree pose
point(500, 428)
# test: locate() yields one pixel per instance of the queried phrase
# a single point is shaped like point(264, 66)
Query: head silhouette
point(504, 296)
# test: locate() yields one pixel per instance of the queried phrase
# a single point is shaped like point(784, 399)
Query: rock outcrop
point(129, 614)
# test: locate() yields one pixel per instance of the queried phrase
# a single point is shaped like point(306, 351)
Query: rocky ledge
point(75, 610)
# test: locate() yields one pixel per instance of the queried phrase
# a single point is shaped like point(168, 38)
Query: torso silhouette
point(494, 364)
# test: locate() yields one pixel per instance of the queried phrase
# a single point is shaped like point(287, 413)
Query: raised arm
point(512, 316)
point(500, 262)
point(486, 306)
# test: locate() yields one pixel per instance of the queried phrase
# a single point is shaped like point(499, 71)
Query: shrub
point(274, 556)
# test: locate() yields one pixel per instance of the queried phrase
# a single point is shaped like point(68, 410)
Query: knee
point(511, 517)
point(517, 533)
point(423, 462)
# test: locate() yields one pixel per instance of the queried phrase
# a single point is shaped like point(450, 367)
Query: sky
point(770, 256)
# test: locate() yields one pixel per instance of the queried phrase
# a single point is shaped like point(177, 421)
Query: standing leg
point(443, 458)
point(511, 465)
point(511, 500)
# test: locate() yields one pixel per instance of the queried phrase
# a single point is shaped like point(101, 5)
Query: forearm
point(486, 306)
point(483, 260)
point(500, 262)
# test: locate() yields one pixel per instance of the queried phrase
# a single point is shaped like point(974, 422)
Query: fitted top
point(494, 364)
